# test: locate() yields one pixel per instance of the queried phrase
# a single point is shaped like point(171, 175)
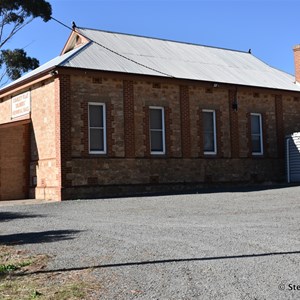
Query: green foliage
point(13, 267)
point(17, 62)
point(35, 294)
point(18, 10)
point(15, 15)
point(7, 268)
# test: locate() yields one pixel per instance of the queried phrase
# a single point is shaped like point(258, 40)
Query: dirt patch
point(21, 278)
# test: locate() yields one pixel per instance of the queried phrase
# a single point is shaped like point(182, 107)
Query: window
point(256, 134)
point(157, 130)
point(97, 128)
point(209, 131)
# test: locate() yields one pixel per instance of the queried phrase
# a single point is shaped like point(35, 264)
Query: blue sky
point(269, 27)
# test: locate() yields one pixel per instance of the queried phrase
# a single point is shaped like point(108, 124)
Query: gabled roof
point(124, 53)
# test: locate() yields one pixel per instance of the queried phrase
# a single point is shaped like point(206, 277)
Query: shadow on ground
point(38, 237)
point(187, 189)
point(165, 261)
point(9, 216)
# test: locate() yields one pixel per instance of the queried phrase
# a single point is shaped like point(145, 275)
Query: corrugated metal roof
point(132, 54)
point(57, 61)
point(179, 60)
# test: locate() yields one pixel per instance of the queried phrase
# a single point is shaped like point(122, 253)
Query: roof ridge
point(163, 39)
point(275, 68)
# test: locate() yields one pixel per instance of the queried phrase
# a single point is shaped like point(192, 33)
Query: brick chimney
point(297, 62)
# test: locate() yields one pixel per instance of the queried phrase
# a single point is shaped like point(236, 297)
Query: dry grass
point(19, 280)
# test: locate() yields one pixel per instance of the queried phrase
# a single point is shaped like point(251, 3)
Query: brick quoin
point(109, 129)
point(234, 126)
point(65, 127)
point(265, 134)
point(146, 127)
point(200, 133)
point(85, 128)
point(57, 137)
point(248, 129)
point(279, 125)
point(26, 159)
point(219, 133)
point(185, 121)
point(129, 127)
point(168, 131)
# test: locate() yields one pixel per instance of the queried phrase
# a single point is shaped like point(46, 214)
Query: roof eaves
point(24, 83)
point(27, 77)
point(186, 80)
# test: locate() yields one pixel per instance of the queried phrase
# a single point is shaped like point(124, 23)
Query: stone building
point(119, 114)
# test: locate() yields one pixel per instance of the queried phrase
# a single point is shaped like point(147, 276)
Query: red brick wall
point(5, 108)
point(185, 121)
point(234, 124)
point(129, 133)
point(279, 125)
point(14, 162)
point(45, 156)
point(297, 62)
point(65, 128)
point(42, 169)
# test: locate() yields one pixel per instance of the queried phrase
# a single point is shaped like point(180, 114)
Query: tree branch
point(3, 75)
point(16, 28)
point(14, 16)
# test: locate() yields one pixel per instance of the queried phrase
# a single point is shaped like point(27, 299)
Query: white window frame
point(260, 133)
point(214, 152)
point(163, 130)
point(104, 151)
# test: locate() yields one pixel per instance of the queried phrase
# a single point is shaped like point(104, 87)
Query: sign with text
point(20, 105)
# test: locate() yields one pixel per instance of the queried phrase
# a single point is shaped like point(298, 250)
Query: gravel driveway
point(225, 245)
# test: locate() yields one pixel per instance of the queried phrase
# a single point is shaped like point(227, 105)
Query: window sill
point(98, 154)
point(210, 153)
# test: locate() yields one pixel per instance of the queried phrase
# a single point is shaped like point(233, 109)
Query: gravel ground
point(226, 245)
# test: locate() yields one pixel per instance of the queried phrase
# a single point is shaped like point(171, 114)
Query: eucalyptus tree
point(14, 16)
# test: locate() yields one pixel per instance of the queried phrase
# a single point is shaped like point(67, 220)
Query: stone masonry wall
point(291, 113)
point(129, 162)
point(59, 146)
